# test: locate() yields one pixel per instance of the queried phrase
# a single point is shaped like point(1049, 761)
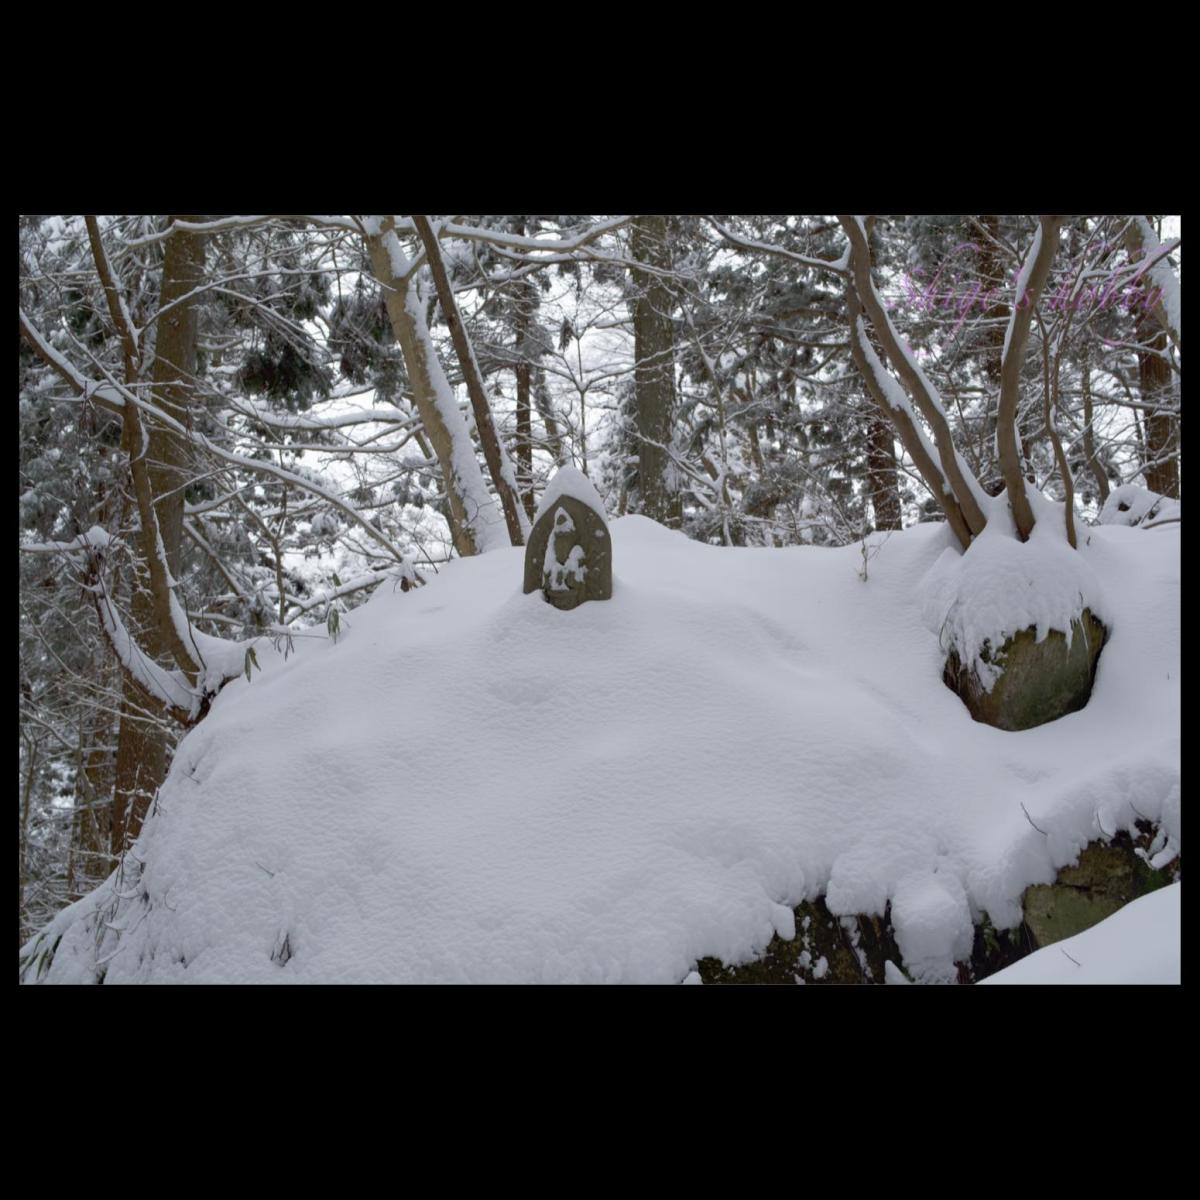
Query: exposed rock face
point(1106, 878)
point(1039, 681)
point(826, 949)
point(857, 950)
point(569, 554)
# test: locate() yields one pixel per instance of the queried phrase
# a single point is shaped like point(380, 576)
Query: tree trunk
point(1161, 469)
point(881, 470)
point(962, 486)
point(654, 374)
point(91, 858)
point(524, 300)
point(141, 744)
point(1034, 272)
point(474, 519)
point(1162, 466)
point(524, 440)
point(26, 806)
point(503, 479)
point(1089, 436)
point(991, 281)
point(886, 393)
point(541, 401)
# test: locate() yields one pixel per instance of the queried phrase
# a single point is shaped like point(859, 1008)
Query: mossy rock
point(1106, 878)
point(1039, 681)
point(826, 949)
point(853, 950)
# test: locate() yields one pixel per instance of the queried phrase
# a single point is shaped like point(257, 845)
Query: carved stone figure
point(569, 551)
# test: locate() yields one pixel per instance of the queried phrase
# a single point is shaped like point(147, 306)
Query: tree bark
point(995, 314)
point(901, 417)
point(927, 402)
point(26, 807)
point(90, 859)
point(654, 373)
point(1160, 285)
point(1089, 436)
point(141, 742)
point(524, 301)
point(541, 401)
point(881, 473)
point(1035, 274)
point(1161, 470)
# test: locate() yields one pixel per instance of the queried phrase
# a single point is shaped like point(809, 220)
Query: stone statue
point(569, 551)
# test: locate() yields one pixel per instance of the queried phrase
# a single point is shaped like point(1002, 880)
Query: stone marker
point(569, 551)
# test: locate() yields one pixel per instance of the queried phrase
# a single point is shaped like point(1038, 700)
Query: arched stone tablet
point(569, 551)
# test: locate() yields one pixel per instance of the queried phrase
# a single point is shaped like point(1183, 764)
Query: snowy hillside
point(472, 786)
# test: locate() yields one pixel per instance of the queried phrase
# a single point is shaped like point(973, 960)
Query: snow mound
point(1133, 505)
point(572, 482)
point(1138, 944)
point(1001, 586)
point(472, 786)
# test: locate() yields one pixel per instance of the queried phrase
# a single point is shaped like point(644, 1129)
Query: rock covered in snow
point(1133, 505)
point(1022, 624)
point(1036, 681)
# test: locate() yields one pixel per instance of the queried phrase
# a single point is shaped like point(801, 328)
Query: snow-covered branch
point(512, 241)
point(116, 398)
point(1143, 241)
point(840, 266)
point(95, 539)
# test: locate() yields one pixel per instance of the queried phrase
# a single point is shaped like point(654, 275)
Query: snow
point(1001, 586)
point(1022, 284)
point(1162, 275)
point(1133, 505)
point(933, 925)
point(223, 658)
point(483, 515)
point(572, 482)
point(473, 786)
point(555, 573)
point(169, 686)
point(1138, 944)
point(96, 538)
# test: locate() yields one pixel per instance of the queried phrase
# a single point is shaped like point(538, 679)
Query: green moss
point(1054, 912)
point(1107, 876)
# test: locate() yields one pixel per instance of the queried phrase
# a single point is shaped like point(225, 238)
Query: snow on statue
point(569, 552)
